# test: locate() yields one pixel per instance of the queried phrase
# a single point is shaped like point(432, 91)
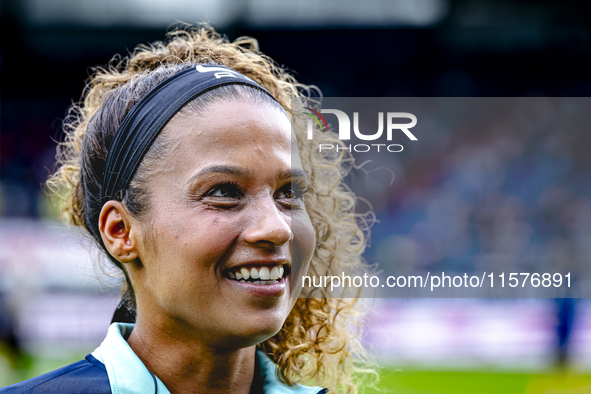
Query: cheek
point(189, 247)
point(185, 269)
point(304, 234)
point(303, 246)
point(199, 235)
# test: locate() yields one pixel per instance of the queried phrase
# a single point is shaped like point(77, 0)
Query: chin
point(256, 330)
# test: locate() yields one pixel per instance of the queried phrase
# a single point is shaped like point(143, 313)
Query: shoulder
point(85, 376)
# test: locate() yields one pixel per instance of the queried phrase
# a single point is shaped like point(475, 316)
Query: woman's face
point(224, 203)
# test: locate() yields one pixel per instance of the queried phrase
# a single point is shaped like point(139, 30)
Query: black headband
point(148, 117)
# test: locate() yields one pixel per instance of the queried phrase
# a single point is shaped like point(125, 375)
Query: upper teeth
point(262, 273)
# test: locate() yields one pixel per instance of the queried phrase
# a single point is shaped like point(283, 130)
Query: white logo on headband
point(222, 72)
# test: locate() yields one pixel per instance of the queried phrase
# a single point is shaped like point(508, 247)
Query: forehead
point(231, 132)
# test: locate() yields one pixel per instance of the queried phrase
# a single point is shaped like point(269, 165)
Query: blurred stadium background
point(55, 304)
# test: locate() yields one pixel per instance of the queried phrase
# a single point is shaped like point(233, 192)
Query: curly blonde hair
point(320, 340)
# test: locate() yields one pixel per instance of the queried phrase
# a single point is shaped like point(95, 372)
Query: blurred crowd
point(511, 194)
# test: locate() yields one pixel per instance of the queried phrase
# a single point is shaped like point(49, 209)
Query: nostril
point(267, 232)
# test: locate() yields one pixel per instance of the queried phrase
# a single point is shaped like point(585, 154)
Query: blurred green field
point(27, 367)
point(400, 380)
point(405, 381)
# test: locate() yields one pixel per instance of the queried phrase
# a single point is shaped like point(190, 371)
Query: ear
point(117, 232)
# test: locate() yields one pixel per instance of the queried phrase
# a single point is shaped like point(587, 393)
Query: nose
point(268, 225)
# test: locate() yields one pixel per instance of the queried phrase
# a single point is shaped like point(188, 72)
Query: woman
point(182, 165)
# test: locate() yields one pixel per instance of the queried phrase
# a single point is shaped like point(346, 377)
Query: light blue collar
point(128, 375)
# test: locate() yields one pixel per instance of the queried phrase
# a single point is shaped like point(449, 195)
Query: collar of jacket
point(128, 375)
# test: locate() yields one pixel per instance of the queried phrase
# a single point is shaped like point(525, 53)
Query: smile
point(257, 275)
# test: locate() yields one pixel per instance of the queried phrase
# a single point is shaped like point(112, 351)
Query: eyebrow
point(295, 173)
point(245, 172)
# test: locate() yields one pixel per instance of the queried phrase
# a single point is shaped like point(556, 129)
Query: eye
point(225, 190)
point(293, 191)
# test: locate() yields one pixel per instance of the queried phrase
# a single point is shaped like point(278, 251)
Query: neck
point(185, 365)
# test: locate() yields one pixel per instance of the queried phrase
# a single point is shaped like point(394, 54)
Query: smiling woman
point(182, 165)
